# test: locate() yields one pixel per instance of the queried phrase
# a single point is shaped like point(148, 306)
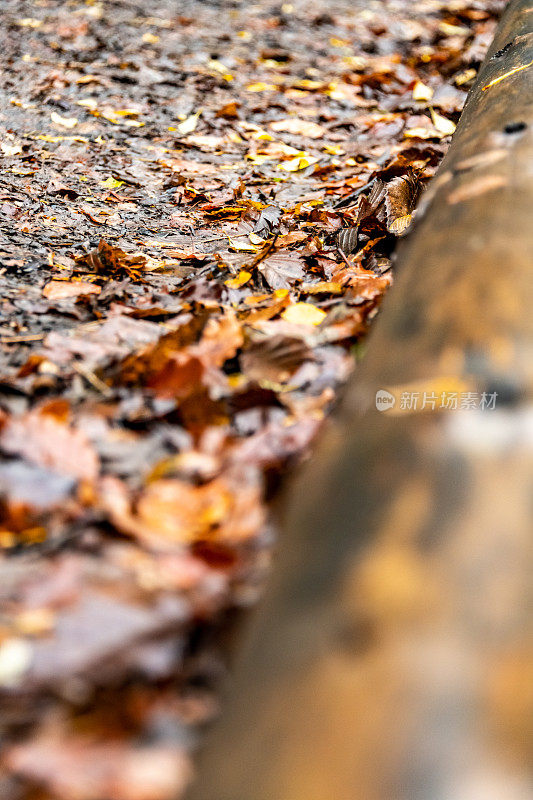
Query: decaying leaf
point(282, 269)
point(42, 440)
point(107, 259)
point(298, 127)
point(274, 358)
point(62, 290)
point(171, 512)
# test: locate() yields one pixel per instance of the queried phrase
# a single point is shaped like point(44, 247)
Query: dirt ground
point(199, 205)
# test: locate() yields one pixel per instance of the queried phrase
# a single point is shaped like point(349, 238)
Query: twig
point(93, 380)
point(345, 201)
point(28, 337)
point(263, 253)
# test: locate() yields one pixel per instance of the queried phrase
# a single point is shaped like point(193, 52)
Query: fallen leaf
point(259, 86)
point(64, 122)
point(111, 183)
point(282, 269)
point(61, 290)
point(41, 440)
point(229, 110)
point(443, 125)
point(10, 149)
point(303, 314)
point(274, 358)
point(170, 511)
point(298, 163)
point(189, 125)
point(422, 92)
point(29, 22)
point(298, 127)
point(242, 247)
point(242, 278)
point(107, 259)
point(268, 219)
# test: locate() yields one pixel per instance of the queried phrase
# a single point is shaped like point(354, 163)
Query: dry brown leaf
point(42, 440)
point(170, 512)
point(298, 127)
point(61, 290)
point(282, 269)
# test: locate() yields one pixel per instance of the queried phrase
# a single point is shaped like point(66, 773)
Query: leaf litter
point(200, 207)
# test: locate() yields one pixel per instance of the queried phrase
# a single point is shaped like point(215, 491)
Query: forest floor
point(178, 314)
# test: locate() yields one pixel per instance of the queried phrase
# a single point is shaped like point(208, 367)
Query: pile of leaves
point(199, 203)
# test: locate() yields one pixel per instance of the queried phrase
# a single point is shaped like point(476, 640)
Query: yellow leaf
point(29, 22)
point(257, 158)
point(443, 125)
point(464, 77)
point(322, 287)
point(355, 62)
point(189, 124)
point(303, 314)
point(89, 79)
point(422, 133)
point(422, 92)
point(10, 149)
point(298, 163)
point(453, 30)
point(400, 224)
point(308, 84)
point(233, 136)
point(126, 112)
point(242, 247)
point(339, 42)
point(46, 138)
point(88, 102)
point(261, 87)
point(219, 67)
point(111, 183)
point(261, 136)
point(242, 278)
point(65, 122)
point(150, 38)
point(255, 239)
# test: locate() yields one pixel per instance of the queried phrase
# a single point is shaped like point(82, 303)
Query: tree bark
point(393, 656)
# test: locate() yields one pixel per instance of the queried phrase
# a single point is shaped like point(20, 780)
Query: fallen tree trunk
point(393, 657)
